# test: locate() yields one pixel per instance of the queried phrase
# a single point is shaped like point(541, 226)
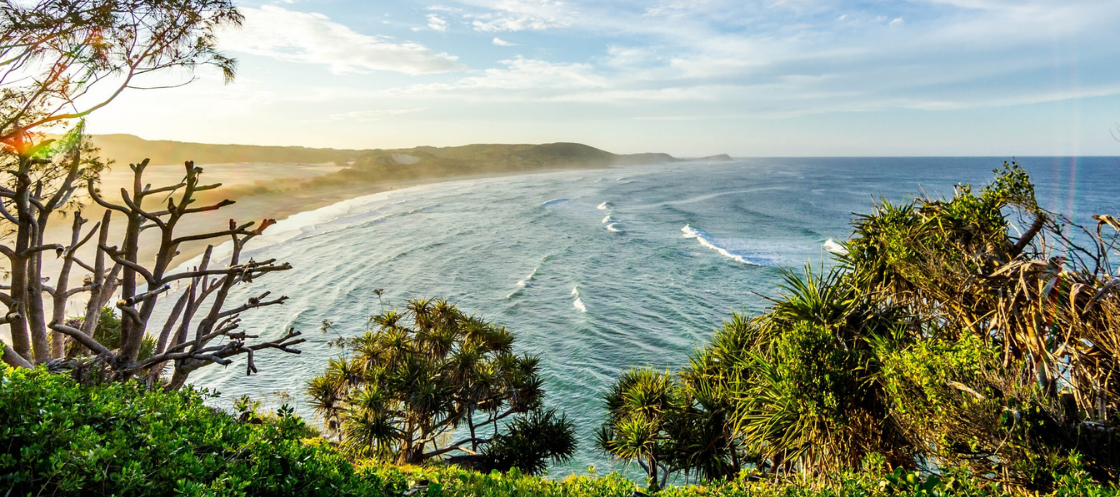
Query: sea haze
point(594, 271)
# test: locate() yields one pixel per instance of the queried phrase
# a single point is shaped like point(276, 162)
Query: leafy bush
point(62, 438)
point(108, 333)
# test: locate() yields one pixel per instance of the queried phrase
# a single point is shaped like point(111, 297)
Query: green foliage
point(416, 376)
point(807, 401)
point(62, 438)
point(108, 333)
point(940, 342)
point(530, 441)
point(668, 423)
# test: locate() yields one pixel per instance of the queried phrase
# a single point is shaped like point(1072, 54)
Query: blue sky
point(749, 78)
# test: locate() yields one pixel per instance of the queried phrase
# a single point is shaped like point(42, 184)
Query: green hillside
point(467, 160)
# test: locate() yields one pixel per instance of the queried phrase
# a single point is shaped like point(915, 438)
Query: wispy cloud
point(437, 23)
point(529, 75)
point(670, 61)
point(516, 15)
point(315, 39)
point(490, 24)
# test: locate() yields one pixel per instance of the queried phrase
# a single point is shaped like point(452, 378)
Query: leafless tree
point(59, 61)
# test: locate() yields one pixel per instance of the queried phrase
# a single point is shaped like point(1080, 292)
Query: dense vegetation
point(63, 438)
point(439, 162)
point(418, 375)
point(939, 343)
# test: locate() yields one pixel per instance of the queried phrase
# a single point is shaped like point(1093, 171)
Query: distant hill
point(716, 158)
point(431, 162)
point(377, 165)
point(126, 149)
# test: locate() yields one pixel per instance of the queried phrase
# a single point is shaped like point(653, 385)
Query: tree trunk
point(21, 339)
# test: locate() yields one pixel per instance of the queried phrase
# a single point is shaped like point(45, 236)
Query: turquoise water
point(594, 271)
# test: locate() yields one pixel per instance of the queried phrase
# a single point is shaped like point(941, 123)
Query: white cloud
point(531, 74)
point(502, 43)
point(492, 24)
point(515, 15)
point(437, 23)
point(518, 79)
point(315, 39)
point(896, 22)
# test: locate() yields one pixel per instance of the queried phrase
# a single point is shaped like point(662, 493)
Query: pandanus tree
point(1011, 365)
point(668, 423)
point(60, 60)
point(974, 332)
point(641, 408)
point(419, 376)
point(807, 400)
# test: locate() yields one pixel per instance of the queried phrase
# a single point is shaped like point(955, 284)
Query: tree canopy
point(420, 374)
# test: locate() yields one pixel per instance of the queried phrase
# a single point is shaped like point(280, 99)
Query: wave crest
point(836, 248)
point(706, 240)
point(578, 302)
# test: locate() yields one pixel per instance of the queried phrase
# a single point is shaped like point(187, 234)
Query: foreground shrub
point(61, 438)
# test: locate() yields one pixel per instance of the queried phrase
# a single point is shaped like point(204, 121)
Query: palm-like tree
point(939, 340)
point(420, 374)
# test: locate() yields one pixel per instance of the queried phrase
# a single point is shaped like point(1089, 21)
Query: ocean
point(595, 271)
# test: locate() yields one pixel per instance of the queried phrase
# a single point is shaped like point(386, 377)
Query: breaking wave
point(836, 248)
point(706, 240)
point(578, 302)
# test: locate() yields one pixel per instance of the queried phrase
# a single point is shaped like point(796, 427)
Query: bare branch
point(82, 338)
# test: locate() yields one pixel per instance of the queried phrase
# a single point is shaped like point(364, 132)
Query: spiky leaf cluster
point(417, 375)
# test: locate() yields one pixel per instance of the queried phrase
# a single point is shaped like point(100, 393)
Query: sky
point(691, 78)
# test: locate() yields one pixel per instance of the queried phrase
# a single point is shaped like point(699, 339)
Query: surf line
point(706, 240)
point(578, 302)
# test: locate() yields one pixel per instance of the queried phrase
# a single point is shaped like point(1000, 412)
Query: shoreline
point(258, 207)
point(280, 205)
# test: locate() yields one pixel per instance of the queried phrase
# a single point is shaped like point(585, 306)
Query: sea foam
point(604, 206)
point(836, 248)
point(578, 302)
point(528, 281)
point(553, 202)
point(706, 240)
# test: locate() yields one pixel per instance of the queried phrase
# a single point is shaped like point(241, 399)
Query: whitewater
point(593, 271)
